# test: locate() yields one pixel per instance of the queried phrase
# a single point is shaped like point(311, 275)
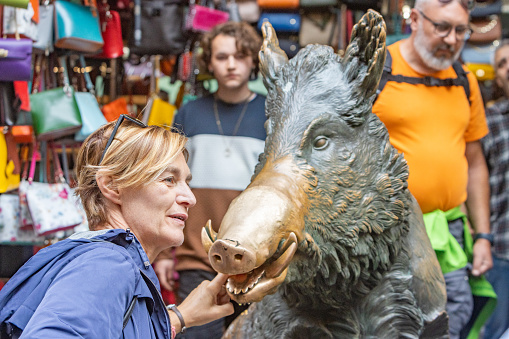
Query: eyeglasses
point(468, 4)
point(443, 29)
point(114, 132)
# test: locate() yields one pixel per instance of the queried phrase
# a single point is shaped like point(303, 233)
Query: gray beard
point(427, 56)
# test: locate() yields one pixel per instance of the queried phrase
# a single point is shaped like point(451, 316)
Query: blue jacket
point(82, 288)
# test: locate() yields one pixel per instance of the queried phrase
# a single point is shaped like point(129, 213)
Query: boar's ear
point(365, 55)
point(272, 58)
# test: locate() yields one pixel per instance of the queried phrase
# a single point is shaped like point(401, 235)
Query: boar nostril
point(218, 258)
point(238, 257)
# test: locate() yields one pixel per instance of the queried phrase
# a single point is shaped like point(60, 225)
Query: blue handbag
point(77, 27)
point(282, 22)
point(91, 116)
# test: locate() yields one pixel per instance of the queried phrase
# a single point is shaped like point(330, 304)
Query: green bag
point(55, 113)
point(15, 3)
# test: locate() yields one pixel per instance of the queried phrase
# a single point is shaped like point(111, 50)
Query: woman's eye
point(169, 180)
point(321, 143)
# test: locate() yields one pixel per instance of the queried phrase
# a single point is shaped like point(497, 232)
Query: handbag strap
point(62, 60)
point(59, 174)
point(137, 22)
point(88, 81)
point(32, 163)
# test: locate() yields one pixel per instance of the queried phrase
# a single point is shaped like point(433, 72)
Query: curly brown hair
point(248, 41)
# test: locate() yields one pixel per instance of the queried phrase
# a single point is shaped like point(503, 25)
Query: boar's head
point(328, 200)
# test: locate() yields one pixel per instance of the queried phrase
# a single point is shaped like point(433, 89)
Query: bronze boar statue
point(327, 239)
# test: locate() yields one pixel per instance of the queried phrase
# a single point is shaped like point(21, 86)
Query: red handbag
point(111, 31)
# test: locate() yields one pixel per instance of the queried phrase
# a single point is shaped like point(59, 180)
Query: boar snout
point(227, 256)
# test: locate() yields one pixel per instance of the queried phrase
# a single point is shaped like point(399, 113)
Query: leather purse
point(161, 113)
point(202, 19)
point(77, 27)
point(114, 109)
point(484, 9)
point(362, 4)
point(15, 59)
point(482, 72)
point(290, 46)
point(45, 41)
point(111, 31)
point(9, 104)
point(278, 4)
point(55, 112)
point(157, 18)
point(282, 22)
point(91, 116)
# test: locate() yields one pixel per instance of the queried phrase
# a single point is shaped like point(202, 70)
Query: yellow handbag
point(160, 113)
point(9, 180)
point(482, 71)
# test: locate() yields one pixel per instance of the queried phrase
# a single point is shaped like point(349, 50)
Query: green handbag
point(15, 3)
point(55, 113)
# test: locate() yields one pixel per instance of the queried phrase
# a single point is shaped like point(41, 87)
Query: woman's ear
point(104, 183)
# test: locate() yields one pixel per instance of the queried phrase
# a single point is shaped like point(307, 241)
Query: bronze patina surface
point(327, 239)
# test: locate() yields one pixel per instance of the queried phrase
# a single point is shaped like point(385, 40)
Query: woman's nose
point(186, 197)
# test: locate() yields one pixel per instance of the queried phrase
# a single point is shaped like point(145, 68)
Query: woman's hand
point(207, 302)
point(165, 269)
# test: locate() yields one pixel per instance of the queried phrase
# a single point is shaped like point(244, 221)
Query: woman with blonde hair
point(133, 181)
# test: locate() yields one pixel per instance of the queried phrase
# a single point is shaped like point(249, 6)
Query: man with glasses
point(433, 110)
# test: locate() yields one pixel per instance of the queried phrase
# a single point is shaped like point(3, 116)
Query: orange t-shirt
point(430, 126)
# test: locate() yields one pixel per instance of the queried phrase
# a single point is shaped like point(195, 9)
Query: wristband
point(487, 236)
point(174, 308)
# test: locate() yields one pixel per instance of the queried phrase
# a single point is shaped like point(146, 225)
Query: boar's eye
point(321, 142)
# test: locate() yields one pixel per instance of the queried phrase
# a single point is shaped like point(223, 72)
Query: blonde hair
point(137, 156)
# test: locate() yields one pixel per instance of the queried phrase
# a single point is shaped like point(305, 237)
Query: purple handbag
point(15, 59)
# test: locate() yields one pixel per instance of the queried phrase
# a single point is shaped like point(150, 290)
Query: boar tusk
point(208, 236)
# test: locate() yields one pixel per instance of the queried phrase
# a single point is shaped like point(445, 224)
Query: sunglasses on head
point(468, 4)
point(114, 132)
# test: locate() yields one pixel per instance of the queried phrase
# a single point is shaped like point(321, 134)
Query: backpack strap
point(460, 80)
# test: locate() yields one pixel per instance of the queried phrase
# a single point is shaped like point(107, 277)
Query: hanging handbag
point(91, 116)
point(55, 112)
point(278, 4)
point(51, 206)
point(15, 59)
point(202, 19)
point(484, 9)
point(478, 54)
point(249, 10)
point(9, 217)
point(9, 104)
point(114, 109)
point(15, 3)
point(282, 22)
point(363, 5)
point(111, 31)
point(317, 27)
point(157, 18)
point(77, 27)
point(19, 21)
point(290, 45)
point(45, 41)
point(9, 162)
